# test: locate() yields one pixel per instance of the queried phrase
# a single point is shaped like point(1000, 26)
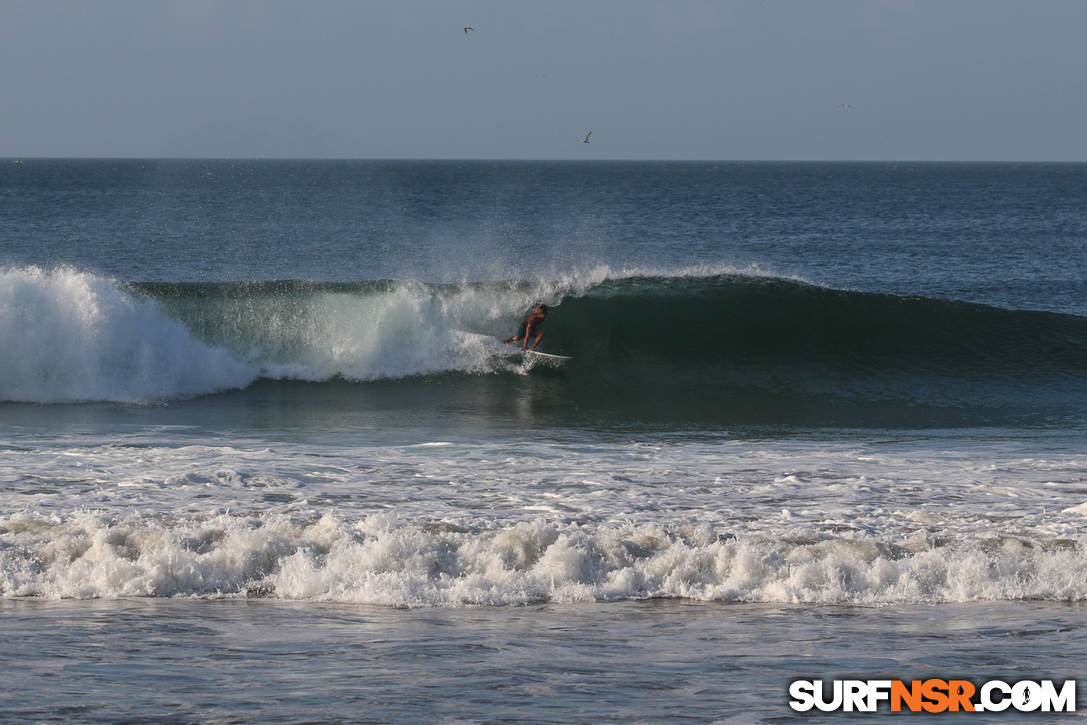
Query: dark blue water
point(1010, 235)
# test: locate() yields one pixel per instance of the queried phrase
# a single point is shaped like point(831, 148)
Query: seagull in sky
point(846, 107)
point(467, 28)
point(586, 139)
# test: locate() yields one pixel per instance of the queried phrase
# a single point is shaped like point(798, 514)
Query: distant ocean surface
point(264, 456)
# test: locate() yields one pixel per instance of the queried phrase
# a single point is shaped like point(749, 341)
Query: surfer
point(531, 325)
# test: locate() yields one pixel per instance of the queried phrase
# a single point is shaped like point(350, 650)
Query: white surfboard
point(545, 356)
point(532, 358)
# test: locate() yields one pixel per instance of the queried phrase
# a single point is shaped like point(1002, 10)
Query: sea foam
point(72, 336)
point(383, 560)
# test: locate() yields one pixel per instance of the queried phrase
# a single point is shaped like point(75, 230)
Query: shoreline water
point(662, 660)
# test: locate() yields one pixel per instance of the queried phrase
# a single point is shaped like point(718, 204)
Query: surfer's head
point(543, 310)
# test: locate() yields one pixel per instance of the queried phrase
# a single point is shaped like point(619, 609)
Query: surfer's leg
point(519, 335)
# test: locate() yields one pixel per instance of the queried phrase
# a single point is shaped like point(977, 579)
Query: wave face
point(723, 348)
point(749, 348)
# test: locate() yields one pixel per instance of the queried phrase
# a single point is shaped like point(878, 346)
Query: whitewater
point(77, 336)
point(458, 522)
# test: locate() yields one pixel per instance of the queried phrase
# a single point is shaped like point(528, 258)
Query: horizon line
point(16, 159)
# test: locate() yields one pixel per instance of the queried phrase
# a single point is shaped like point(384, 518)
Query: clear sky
point(966, 80)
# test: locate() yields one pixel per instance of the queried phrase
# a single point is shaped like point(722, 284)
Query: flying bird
point(467, 28)
point(846, 107)
point(586, 139)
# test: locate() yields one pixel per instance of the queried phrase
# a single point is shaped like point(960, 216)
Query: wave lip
point(384, 561)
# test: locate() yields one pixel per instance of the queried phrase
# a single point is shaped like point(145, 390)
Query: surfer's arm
point(524, 340)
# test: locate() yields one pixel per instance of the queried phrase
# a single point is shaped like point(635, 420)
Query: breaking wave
point(719, 347)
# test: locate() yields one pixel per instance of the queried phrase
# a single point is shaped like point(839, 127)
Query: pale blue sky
point(684, 79)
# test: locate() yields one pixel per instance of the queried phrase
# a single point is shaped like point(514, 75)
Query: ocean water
point(264, 456)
